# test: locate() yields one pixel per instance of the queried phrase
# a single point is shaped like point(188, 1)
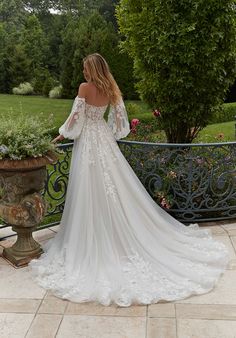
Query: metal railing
point(193, 182)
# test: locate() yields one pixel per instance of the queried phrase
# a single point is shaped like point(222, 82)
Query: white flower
point(3, 149)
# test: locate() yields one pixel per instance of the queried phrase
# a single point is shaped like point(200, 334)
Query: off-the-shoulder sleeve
point(74, 124)
point(118, 120)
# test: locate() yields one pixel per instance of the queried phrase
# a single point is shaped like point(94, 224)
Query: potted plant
point(25, 150)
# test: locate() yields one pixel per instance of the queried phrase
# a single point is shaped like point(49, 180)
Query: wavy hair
point(99, 73)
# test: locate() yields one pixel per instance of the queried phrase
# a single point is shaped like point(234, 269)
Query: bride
point(115, 244)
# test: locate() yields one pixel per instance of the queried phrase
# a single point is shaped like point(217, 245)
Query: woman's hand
point(58, 138)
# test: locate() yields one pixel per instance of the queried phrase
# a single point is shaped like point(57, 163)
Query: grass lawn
point(60, 108)
point(224, 132)
point(35, 105)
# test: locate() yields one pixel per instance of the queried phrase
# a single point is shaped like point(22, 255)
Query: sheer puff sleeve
point(74, 124)
point(118, 120)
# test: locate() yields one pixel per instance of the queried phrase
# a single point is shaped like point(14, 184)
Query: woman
point(115, 244)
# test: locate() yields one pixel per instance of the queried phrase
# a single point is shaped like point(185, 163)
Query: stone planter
point(22, 205)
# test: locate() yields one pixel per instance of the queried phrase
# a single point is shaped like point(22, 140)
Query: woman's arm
point(81, 94)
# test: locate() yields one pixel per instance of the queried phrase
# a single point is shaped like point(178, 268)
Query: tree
point(93, 34)
point(18, 69)
point(107, 10)
point(53, 27)
point(40, 46)
point(3, 73)
point(14, 65)
point(12, 14)
point(35, 43)
point(184, 55)
point(67, 51)
point(75, 7)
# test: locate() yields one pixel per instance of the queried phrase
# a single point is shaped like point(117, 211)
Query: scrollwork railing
point(193, 182)
point(57, 178)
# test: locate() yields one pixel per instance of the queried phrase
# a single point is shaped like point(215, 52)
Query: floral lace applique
point(118, 120)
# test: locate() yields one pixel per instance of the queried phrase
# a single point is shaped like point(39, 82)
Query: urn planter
point(22, 205)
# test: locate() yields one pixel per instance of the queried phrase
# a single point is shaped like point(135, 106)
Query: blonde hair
point(99, 73)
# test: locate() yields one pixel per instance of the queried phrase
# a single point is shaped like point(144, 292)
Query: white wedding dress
point(115, 244)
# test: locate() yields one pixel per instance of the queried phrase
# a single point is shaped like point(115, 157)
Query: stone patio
point(26, 310)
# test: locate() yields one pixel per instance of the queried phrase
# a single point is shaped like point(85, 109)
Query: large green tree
point(35, 46)
point(67, 51)
point(42, 46)
point(3, 59)
point(12, 14)
point(35, 43)
point(93, 34)
point(184, 54)
point(17, 67)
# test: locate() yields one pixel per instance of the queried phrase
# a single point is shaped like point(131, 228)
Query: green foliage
point(49, 83)
point(12, 13)
point(36, 45)
point(23, 89)
point(43, 82)
point(22, 137)
point(87, 35)
point(93, 34)
point(66, 56)
point(184, 55)
point(53, 26)
point(3, 59)
point(34, 42)
point(133, 109)
point(18, 68)
point(226, 113)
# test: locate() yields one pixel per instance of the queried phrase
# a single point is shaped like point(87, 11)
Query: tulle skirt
point(115, 244)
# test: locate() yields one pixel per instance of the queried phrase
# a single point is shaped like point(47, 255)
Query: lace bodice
point(94, 112)
point(81, 110)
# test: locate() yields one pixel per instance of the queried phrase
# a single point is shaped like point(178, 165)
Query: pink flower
point(134, 123)
point(164, 203)
point(156, 113)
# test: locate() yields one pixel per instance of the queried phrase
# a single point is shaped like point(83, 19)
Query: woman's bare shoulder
point(83, 88)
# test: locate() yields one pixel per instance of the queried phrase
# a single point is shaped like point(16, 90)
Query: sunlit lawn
point(60, 108)
point(218, 132)
point(35, 105)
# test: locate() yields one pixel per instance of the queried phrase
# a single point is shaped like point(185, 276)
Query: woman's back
point(93, 96)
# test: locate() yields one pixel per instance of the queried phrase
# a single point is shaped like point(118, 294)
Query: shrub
point(22, 137)
point(48, 85)
point(24, 88)
point(226, 113)
point(146, 130)
point(56, 92)
point(184, 57)
point(133, 109)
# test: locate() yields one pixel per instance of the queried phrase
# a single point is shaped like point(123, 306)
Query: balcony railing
point(193, 182)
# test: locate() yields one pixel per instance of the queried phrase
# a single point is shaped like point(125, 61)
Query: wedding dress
point(115, 244)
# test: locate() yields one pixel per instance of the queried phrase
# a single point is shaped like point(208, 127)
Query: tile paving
point(26, 310)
